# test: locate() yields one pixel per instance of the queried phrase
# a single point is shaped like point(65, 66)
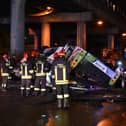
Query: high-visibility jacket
point(40, 68)
point(26, 70)
point(4, 67)
point(60, 71)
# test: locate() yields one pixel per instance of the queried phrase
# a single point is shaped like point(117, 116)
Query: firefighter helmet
point(25, 55)
point(55, 55)
point(61, 53)
point(34, 53)
point(5, 55)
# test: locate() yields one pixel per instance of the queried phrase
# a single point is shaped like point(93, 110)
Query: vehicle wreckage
point(90, 74)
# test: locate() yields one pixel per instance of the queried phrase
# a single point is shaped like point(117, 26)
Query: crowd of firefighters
point(33, 71)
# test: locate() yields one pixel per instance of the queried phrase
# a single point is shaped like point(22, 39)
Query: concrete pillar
point(81, 34)
point(45, 34)
point(111, 41)
point(17, 26)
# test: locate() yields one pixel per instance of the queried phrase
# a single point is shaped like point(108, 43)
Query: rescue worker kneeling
point(26, 75)
point(40, 76)
point(60, 75)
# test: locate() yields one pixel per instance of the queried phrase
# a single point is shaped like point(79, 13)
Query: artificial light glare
point(114, 7)
point(100, 22)
point(123, 34)
point(48, 10)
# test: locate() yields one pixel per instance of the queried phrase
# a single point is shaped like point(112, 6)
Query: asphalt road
point(16, 110)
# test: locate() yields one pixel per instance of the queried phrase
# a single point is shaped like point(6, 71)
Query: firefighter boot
point(43, 93)
point(66, 103)
point(35, 93)
point(3, 90)
point(59, 103)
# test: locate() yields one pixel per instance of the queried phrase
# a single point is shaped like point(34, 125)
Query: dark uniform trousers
point(25, 85)
point(40, 85)
point(40, 79)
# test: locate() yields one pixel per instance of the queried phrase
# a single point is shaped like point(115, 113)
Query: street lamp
point(46, 11)
point(100, 22)
point(124, 34)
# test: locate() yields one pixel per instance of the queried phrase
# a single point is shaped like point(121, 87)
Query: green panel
point(77, 58)
point(89, 57)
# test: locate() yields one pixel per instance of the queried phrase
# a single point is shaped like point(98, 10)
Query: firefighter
point(26, 72)
point(60, 75)
point(33, 59)
point(4, 71)
point(40, 76)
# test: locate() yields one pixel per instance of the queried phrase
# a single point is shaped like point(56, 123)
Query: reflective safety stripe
point(26, 77)
point(31, 86)
point(4, 85)
point(22, 88)
point(24, 69)
point(66, 95)
point(40, 74)
point(60, 82)
point(27, 88)
point(10, 67)
point(9, 77)
point(4, 74)
point(36, 89)
point(43, 89)
point(60, 96)
point(54, 88)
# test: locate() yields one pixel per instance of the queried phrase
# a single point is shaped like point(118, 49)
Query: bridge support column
point(45, 34)
point(81, 34)
point(17, 26)
point(111, 41)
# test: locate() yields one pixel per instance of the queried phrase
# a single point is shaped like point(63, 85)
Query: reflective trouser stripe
point(26, 77)
point(4, 74)
point(66, 95)
point(40, 74)
point(9, 77)
point(22, 88)
point(54, 88)
point(59, 96)
point(36, 89)
point(43, 89)
point(27, 88)
point(4, 85)
point(60, 82)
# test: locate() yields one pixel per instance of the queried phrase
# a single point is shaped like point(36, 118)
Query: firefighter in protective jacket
point(60, 75)
point(40, 76)
point(5, 71)
point(26, 75)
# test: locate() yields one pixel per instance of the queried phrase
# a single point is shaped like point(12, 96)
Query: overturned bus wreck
point(91, 76)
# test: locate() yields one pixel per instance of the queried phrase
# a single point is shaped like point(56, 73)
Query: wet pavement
point(16, 110)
